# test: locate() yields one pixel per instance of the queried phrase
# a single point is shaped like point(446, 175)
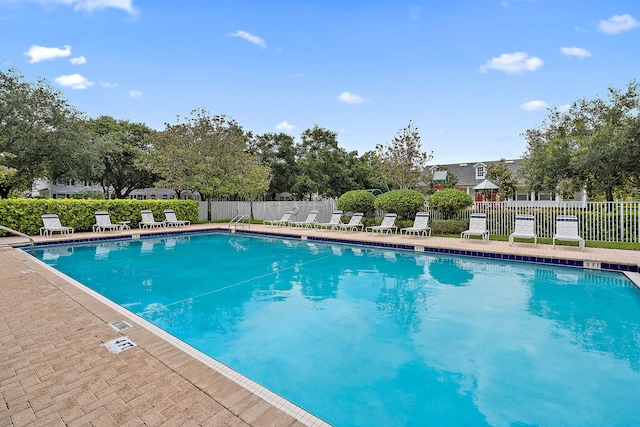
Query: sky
point(471, 75)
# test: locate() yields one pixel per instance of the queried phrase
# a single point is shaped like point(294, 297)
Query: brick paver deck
point(55, 369)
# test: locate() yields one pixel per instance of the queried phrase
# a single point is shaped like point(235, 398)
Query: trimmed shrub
point(357, 201)
point(405, 203)
point(449, 226)
point(25, 215)
point(450, 201)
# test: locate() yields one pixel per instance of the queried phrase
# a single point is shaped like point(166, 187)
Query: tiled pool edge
point(265, 394)
point(469, 253)
point(605, 266)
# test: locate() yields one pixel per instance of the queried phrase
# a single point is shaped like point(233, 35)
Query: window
point(480, 172)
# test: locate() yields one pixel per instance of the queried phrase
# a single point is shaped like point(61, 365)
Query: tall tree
point(594, 145)
point(39, 129)
point(278, 151)
point(208, 154)
point(403, 160)
point(365, 171)
point(500, 174)
point(322, 164)
point(5, 171)
point(121, 147)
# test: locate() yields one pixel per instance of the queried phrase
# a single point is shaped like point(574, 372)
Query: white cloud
point(351, 98)
point(135, 93)
point(575, 51)
point(91, 5)
point(284, 126)
point(534, 105)
point(512, 63)
point(250, 38)
point(74, 81)
point(78, 60)
point(564, 108)
point(41, 53)
point(109, 85)
point(618, 24)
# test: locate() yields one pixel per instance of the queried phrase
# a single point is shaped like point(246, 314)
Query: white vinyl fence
point(267, 210)
point(598, 221)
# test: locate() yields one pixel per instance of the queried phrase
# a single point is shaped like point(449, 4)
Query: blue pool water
point(373, 337)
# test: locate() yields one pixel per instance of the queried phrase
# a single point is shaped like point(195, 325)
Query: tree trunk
point(609, 193)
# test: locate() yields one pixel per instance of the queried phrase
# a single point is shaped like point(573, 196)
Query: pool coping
point(426, 245)
point(501, 256)
point(272, 398)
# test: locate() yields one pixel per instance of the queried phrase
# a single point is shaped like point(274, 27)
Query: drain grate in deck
point(120, 325)
point(119, 345)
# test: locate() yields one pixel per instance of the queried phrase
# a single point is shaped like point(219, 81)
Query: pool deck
point(56, 370)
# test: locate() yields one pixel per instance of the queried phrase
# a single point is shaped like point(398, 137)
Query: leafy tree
point(120, 146)
point(366, 171)
point(403, 160)
point(602, 129)
point(405, 203)
point(316, 165)
point(500, 174)
point(208, 154)
point(548, 160)
point(595, 144)
point(40, 133)
point(450, 201)
point(633, 153)
point(5, 171)
point(357, 201)
point(254, 180)
point(278, 151)
point(323, 166)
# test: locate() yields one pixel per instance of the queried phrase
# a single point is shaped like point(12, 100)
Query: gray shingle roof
point(466, 172)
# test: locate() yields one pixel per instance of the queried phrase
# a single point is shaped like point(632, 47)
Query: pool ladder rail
point(17, 233)
point(239, 220)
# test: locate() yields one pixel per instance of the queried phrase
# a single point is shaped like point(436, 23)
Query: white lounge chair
point(52, 224)
point(171, 220)
point(354, 223)
point(282, 221)
point(388, 225)
point(103, 222)
point(420, 225)
point(567, 229)
point(336, 219)
point(309, 222)
point(525, 228)
point(148, 221)
point(477, 227)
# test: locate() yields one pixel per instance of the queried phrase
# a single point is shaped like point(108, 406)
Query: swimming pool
point(367, 336)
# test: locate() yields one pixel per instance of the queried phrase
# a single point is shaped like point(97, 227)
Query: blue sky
point(472, 75)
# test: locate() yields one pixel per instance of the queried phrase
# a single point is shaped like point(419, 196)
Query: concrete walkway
point(56, 370)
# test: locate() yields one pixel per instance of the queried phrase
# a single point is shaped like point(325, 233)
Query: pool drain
point(119, 345)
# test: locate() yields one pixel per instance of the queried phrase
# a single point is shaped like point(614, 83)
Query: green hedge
point(357, 201)
point(449, 226)
point(405, 203)
point(25, 215)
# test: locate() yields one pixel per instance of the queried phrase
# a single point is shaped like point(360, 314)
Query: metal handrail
point(239, 219)
point(17, 233)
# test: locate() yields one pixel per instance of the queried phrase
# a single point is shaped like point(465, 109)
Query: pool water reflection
point(369, 336)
